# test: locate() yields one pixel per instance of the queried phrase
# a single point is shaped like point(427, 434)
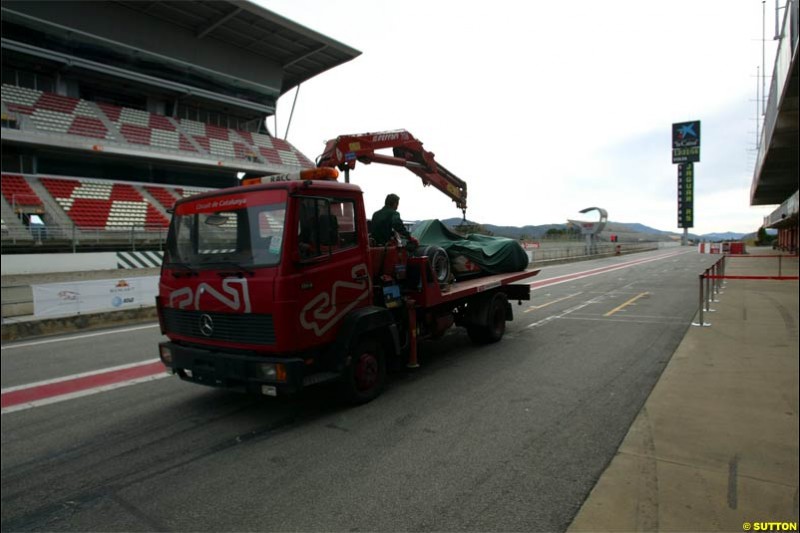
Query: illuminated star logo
point(687, 129)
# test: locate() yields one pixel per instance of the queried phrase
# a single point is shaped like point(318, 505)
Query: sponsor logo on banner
point(67, 296)
point(118, 301)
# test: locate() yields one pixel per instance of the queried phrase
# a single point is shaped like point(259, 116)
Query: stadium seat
point(20, 99)
point(140, 127)
point(55, 113)
point(185, 193)
point(49, 112)
point(18, 192)
point(278, 151)
point(161, 195)
point(92, 204)
point(213, 139)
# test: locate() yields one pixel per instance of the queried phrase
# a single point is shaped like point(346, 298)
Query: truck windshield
point(242, 230)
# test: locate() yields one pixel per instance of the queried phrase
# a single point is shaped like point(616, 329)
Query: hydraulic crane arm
point(345, 150)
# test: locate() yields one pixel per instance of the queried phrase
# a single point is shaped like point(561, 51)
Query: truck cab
point(256, 282)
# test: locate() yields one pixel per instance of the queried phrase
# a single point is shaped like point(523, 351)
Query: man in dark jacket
point(387, 220)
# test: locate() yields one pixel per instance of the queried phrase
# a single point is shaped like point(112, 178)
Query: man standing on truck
point(386, 221)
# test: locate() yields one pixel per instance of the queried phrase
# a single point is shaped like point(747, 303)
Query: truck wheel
point(365, 374)
point(495, 326)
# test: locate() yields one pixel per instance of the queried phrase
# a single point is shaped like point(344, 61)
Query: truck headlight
point(166, 354)
point(271, 371)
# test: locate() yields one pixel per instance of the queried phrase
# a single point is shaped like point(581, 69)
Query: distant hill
point(514, 232)
point(626, 231)
point(641, 228)
point(727, 236)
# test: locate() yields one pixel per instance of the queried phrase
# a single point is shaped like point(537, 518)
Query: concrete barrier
point(15, 264)
point(21, 264)
point(24, 329)
point(17, 296)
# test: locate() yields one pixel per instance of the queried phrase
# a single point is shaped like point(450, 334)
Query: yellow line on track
point(626, 304)
point(535, 307)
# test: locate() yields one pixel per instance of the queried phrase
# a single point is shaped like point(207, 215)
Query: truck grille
point(245, 328)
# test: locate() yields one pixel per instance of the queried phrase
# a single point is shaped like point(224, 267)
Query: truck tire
point(438, 259)
point(495, 326)
point(365, 374)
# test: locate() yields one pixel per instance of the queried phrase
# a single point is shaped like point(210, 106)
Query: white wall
point(13, 264)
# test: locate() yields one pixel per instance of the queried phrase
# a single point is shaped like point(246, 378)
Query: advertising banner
point(686, 142)
point(78, 297)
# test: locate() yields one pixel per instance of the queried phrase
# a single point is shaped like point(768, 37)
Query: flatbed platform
point(460, 289)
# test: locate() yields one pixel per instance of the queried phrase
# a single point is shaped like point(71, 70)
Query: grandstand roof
point(303, 53)
point(227, 50)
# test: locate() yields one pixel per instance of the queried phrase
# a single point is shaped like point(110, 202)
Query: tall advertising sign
point(686, 152)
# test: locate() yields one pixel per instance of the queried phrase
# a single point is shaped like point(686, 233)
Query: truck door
point(333, 276)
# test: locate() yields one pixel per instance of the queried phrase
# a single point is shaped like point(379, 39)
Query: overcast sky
point(545, 108)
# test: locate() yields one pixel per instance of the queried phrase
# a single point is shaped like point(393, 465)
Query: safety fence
point(714, 279)
point(554, 252)
point(74, 238)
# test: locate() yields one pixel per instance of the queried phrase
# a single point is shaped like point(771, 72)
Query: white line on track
point(77, 337)
point(82, 393)
point(78, 376)
point(540, 284)
point(585, 274)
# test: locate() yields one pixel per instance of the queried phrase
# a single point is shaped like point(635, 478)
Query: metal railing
point(715, 272)
point(128, 237)
point(713, 280)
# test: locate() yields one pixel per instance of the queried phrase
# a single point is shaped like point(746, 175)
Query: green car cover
point(473, 253)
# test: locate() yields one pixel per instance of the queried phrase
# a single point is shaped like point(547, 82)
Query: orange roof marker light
point(324, 173)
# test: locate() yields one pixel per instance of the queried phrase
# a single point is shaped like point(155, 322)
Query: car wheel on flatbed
point(365, 374)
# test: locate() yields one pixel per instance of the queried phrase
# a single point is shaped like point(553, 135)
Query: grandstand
point(112, 110)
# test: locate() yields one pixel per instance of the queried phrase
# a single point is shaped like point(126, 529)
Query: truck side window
point(325, 225)
point(308, 229)
point(344, 211)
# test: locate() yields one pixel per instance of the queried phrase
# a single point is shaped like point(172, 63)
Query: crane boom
point(343, 152)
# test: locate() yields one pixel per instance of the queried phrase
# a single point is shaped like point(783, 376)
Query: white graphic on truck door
point(323, 311)
point(236, 299)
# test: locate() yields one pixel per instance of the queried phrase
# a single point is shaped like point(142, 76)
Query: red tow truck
point(274, 286)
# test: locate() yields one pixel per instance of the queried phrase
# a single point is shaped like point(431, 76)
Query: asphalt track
point(507, 437)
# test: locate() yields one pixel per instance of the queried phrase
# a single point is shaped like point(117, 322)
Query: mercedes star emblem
point(206, 325)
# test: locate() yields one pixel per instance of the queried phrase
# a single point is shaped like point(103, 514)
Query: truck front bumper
point(245, 373)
